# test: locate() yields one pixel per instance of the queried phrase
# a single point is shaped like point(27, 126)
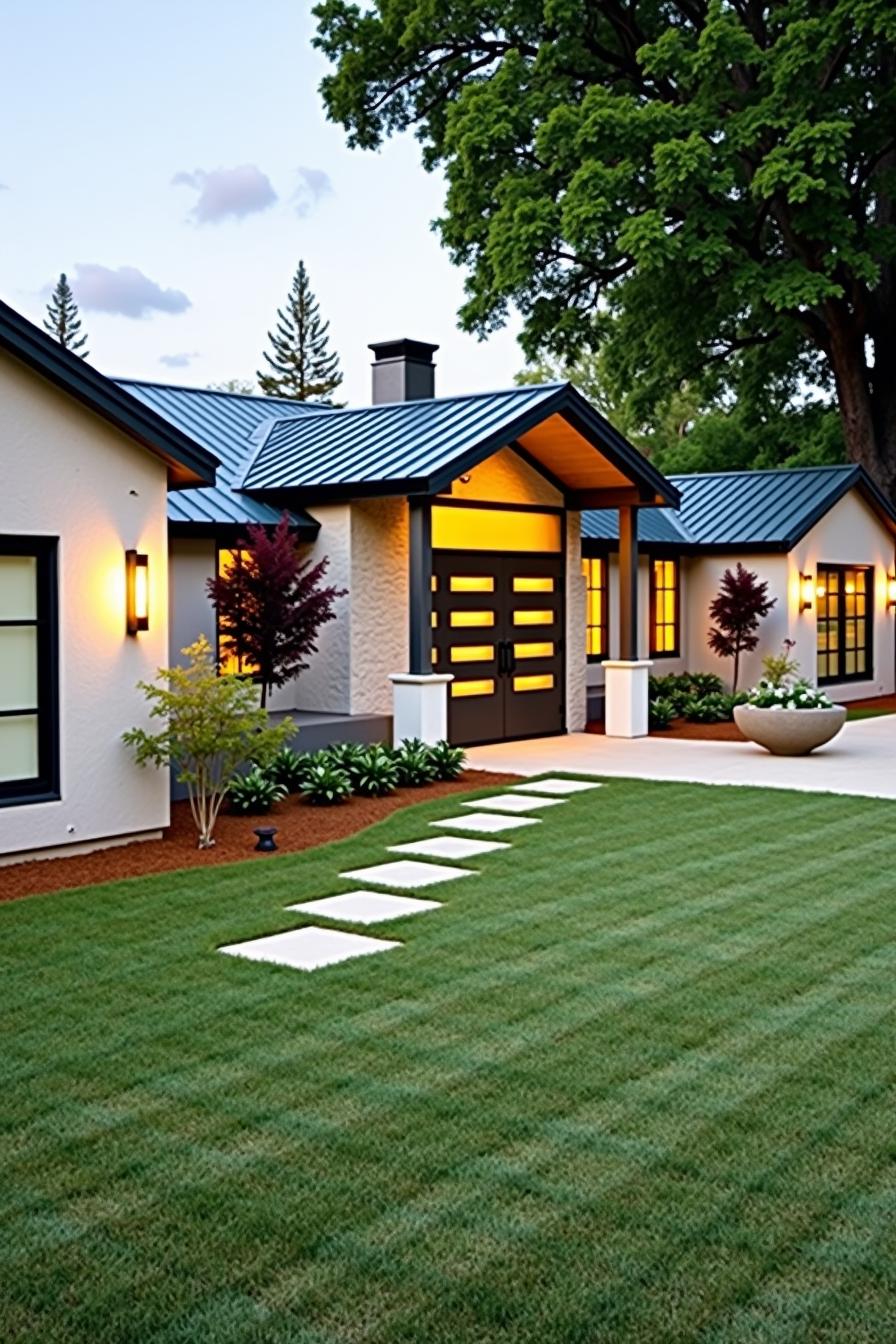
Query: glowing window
point(594, 567)
point(472, 583)
point(544, 682)
point(484, 686)
point(844, 625)
point(524, 584)
point(523, 616)
point(231, 658)
point(664, 607)
point(544, 650)
point(472, 653)
point(472, 618)
point(460, 529)
point(435, 619)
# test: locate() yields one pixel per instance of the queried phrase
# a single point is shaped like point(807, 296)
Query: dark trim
point(456, 503)
point(654, 651)
point(420, 587)
point(598, 658)
point(45, 785)
point(628, 584)
point(229, 533)
point(189, 464)
point(869, 619)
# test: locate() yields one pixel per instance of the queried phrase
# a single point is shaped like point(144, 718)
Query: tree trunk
point(866, 397)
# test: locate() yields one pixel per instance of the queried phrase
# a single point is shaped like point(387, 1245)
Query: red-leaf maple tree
point(741, 603)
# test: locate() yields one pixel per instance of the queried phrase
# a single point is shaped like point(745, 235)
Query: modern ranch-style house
point(513, 565)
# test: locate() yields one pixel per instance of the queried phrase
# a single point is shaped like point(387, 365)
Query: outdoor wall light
point(137, 589)
point(807, 592)
point(891, 592)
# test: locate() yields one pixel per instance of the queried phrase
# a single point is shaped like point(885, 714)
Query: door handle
point(511, 659)
point(502, 658)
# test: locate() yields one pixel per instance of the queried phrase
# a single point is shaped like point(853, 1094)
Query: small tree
point(62, 320)
point(741, 603)
point(271, 604)
point(212, 726)
point(302, 366)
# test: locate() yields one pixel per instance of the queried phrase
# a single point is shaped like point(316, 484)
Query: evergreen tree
point(302, 366)
point(62, 320)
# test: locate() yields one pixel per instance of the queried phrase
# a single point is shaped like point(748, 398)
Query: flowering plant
point(792, 695)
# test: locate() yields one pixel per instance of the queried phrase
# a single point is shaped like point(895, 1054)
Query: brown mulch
point(299, 826)
point(886, 702)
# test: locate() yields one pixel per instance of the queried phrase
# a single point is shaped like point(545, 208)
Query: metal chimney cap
point(403, 349)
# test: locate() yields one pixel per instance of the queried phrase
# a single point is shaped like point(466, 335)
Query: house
point(821, 537)
point(87, 471)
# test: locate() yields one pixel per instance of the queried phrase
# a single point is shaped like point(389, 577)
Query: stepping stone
point(308, 949)
point(487, 822)
point(556, 786)
point(407, 873)
point(365, 907)
point(513, 802)
point(448, 847)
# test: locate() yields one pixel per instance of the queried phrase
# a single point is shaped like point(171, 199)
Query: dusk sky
point(175, 161)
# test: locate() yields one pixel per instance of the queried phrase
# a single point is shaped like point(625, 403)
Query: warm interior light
point(891, 591)
point(820, 590)
point(137, 589)
point(524, 584)
point(526, 616)
point(544, 682)
point(460, 529)
point(807, 592)
point(470, 618)
point(545, 650)
point(459, 689)
point(472, 583)
point(472, 653)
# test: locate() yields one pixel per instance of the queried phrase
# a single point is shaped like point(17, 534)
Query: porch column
point(419, 696)
point(626, 677)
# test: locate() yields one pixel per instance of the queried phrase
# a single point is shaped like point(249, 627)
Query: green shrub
point(448, 761)
point(286, 769)
point(346, 756)
point(780, 668)
point(713, 708)
point(660, 714)
point(414, 764)
point(255, 792)
point(375, 773)
point(705, 683)
point(324, 783)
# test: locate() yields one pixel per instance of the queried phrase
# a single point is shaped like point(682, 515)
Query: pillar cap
point(623, 662)
point(420, 678)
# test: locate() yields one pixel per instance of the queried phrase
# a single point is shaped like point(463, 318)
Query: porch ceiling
point(566, 454)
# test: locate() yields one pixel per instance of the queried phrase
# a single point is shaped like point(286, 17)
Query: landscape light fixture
point(891, 592)
point(137, 590)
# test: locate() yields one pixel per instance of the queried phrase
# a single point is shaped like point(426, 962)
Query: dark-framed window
point(665, 578)
point(845, 626)
point(29, 672)
point(230, 656)
point(594, 567)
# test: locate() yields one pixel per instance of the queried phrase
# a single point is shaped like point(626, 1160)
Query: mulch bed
point(729, 732)
point(299, 826)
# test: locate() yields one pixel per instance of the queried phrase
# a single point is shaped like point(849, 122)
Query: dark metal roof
point(419, 447)
point(223, 423)
point(765, 510)
point(189, 461)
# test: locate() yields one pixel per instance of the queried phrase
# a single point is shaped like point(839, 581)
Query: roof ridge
point(762, 471)
point(210, 391)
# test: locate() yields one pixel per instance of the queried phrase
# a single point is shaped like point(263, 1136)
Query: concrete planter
point(789, 732)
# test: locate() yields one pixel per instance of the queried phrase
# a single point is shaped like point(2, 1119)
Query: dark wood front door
point(498, 629)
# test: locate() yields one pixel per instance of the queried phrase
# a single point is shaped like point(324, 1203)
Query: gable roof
point(420, 447)
point(764, 510)
point(223, 422)
point(188, 462)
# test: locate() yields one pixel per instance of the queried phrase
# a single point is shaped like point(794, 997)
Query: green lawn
point(636, 1082)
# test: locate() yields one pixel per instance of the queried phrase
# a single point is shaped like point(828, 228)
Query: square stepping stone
point(365, 907)
point(408, 873)
point(560, 786)
point(513, 802)
point(448, 847)
point(308, 949)
point(489, 823)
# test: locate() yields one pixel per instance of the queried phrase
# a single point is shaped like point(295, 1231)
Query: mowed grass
point(635, 1082)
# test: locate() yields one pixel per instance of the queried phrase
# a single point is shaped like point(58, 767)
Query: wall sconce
point(137, 590)
point(891, 592)
point(807, 592)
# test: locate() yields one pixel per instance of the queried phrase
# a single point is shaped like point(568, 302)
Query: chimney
point(403, 371)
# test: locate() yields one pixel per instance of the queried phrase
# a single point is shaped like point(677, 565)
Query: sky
point(175, 161)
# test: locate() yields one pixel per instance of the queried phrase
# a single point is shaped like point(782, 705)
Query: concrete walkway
point(861, 760)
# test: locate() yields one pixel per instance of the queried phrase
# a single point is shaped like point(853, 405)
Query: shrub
point(448, 761)
point(375, 773)
point(286, 769)
point(347, 756)
point(779, 668)
point(715, 708)
point(255, 792)
point(324, 783)
point(705, 683)
point(414, 763)
point(660, 714)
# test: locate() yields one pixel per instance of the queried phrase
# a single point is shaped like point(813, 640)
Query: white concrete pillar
point(420, 706)
point(625, 691)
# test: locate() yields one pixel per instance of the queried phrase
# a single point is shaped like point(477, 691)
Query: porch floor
point(861, 760)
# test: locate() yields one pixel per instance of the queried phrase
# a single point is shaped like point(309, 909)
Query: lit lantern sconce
point(807, 592)
point(891, 592)
point(137, 588)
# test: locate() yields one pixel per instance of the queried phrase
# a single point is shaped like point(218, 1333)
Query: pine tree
point(62, 320)
point(302, 366)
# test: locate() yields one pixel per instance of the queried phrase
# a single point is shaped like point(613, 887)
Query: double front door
point(498, 629)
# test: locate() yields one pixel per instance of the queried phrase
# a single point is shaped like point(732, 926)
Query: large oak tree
point(706, 189)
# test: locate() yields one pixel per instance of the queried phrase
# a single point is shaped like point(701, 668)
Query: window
point(664, 608)
point(594, 567)
point(29, 723)
point(230, 658)
point(844, 622)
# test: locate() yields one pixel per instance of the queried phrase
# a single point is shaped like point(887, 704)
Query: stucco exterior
point(78, 479)
point(378, 614)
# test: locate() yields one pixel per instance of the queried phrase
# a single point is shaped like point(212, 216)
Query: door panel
point(498, 628)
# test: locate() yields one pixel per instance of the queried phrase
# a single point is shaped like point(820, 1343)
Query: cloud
point(126, 291)
point(228, 193)
point(4, 187)
point(179, 361)
point(313, 185)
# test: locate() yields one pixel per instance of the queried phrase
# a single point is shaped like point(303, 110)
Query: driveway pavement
point(861, 760)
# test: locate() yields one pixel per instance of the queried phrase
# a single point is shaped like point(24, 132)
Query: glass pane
point(860, 661)
point(468, 618)
point(18, 667)
point(522, 584)
point(18, 588)
point(472, 583)
point(669, 607)
point(544, 682)
point(850, 665)
point(545, 650)
point(525, 617)
point(435, 619)
point(18, 747)
point(434, 583)
point(472, 653)
point(459, 529)
point(484, 686)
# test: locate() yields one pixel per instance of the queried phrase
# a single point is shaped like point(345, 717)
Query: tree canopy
point(704, 191)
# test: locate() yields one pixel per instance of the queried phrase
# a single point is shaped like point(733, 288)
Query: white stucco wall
point(325, 685)
point(191, 563)
point(508, 478)
point(68, 474)
point(379, 606)
point(705, 577)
